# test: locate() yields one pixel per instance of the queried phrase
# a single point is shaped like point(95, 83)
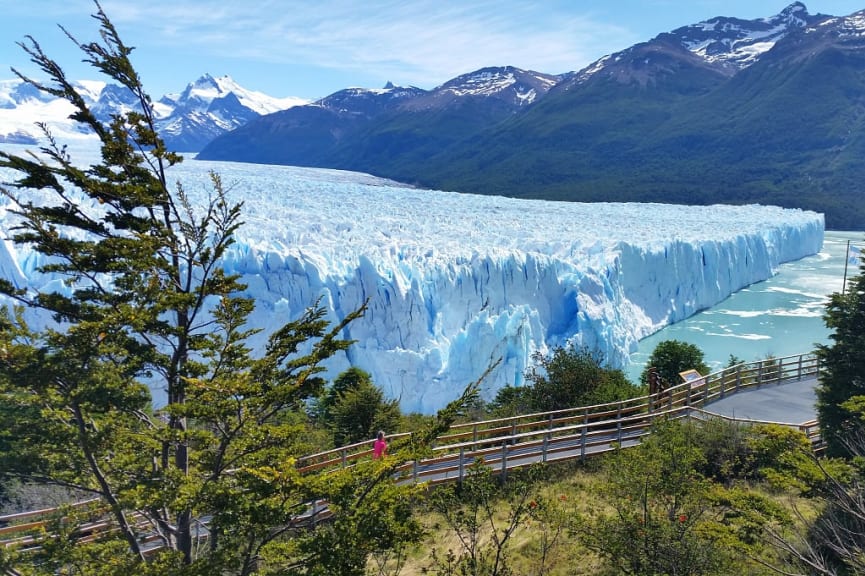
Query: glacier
point(457, 282)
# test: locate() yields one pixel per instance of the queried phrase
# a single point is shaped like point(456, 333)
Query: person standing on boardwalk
point(379, 447)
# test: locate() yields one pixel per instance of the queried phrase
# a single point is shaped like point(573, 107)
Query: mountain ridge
point(723, 111)
point(187, 120)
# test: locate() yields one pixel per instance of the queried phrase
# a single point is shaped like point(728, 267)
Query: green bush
point(571, 377)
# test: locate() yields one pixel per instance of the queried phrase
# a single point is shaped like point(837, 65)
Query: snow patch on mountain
point(740, 43)
point(525, 85)
point(482, 84)
point(852, 26)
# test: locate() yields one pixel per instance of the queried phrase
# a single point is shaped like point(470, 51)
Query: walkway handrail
point(712, 387)
point(570, 433)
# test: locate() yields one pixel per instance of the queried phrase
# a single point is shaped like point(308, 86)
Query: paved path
point(790, 403)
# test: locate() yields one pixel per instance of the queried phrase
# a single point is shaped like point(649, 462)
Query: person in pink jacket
point(379, 448)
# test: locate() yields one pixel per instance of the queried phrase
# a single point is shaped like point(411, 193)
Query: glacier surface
point(456, 282)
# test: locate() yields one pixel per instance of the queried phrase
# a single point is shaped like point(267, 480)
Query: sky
point(310, 49)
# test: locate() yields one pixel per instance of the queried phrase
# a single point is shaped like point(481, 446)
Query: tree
point(671, 357)
point(574, 377)
point(484, 514)
point(145, 304)
point(842, 374)
point(830, 544)
point(511, 401)
point(349, 379)
point(360, 410)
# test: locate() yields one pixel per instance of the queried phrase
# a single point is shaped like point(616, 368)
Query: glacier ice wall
point(456, 282)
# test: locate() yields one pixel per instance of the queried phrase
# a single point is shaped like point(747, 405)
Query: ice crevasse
point(457, 282)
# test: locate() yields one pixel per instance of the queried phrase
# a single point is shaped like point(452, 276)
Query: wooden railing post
point(544, 447)
point(504, 472)
point(583, 443)
point(799, 376)
point(738, 377)
point(344, 457)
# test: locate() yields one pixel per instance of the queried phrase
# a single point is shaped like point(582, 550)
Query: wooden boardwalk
point(568, 434)
point(790, 403)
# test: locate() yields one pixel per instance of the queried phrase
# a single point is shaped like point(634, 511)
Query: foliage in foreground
point(842, 376)
point(143, 304)
point(651, 509)
point(667, 518)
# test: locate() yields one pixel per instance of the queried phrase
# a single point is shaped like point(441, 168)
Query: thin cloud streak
point(409, 42)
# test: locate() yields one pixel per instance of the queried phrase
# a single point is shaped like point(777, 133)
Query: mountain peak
point(498, 80)
point(795, 8)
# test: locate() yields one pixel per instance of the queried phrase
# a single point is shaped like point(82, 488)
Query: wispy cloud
point(410, 42)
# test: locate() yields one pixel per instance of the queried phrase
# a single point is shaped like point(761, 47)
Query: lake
point(778, 317)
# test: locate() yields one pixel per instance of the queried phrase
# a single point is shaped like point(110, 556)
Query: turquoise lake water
point(781, 316)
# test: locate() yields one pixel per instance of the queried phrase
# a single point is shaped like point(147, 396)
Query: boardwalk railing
point(508, 443)
point(578, 432)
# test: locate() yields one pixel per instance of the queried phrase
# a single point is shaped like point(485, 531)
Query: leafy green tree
point(144, 304)
point(842, 374)
point(511, 401)
point(574, 376)
point(360, 410)
point(345, 381)
point(671, 357)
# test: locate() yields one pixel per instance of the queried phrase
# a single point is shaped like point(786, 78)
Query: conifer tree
point(842, 363)
point(143, 304)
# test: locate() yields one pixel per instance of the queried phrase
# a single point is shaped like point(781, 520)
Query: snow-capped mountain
point(320, 133)
point(736, 43)
point(187, 120)
point(724, 45)
point(358, 129)
point(506, 84)
point(367, 102)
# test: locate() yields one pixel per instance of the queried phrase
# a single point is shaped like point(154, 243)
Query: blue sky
point(310, 49)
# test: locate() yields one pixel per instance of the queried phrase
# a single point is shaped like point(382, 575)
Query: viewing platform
point(792, 403)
